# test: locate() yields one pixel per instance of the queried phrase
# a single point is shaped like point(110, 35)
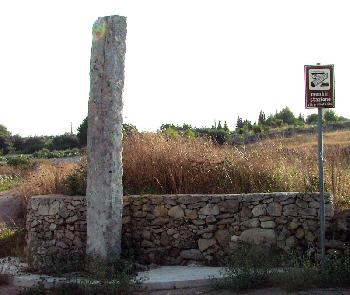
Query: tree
point(311, 119)
point(17, 143)
point(33, 144)
point(5, 142)
point(65, 142)
point(226, 127)
point(286, 115)
point(129, 128)
point(262, 118)
point(239, 123)
point(257, 128)
point(219, 126)
point(82, 132)
point(330, 116)
point(301, 118)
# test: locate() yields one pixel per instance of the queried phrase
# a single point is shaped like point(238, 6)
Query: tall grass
point(154, 163)
point(159, 164)
point(45, 178)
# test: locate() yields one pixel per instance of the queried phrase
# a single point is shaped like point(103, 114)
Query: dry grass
point(157, 164)
point(154, 163)
point(45, 178)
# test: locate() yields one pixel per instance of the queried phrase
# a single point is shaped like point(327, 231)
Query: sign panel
point(319, 86)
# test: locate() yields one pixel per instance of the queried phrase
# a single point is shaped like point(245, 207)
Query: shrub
point(12, 242)
point(117, 277)
point(20, 160)
point(65, 142)
point(75, 183)
point(33, 144)
point(250, 266)
point(306, 273)
point(7, 182)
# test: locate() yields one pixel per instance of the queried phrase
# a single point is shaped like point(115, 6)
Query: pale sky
point(187, 61)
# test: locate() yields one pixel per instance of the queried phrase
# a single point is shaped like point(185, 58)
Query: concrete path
point(170, 280)
point(180, 277)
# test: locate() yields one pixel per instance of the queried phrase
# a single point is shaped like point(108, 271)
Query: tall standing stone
point(104, 178)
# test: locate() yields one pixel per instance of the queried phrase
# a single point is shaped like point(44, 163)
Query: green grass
point(12, 242)
point(7, 182)
point(251, 267)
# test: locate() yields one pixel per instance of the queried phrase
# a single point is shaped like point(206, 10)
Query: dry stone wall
point(179, 229)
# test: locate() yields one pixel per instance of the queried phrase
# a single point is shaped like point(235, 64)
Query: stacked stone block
point(181, 229)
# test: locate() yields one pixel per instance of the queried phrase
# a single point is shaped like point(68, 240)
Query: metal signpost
point(319, 93)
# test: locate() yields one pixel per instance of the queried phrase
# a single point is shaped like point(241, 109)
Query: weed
point(12, 242)
point(250, 266)
point(116, 277)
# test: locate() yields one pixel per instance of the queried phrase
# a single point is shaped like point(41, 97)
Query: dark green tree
point(219, 126)
point(262, 118)
point(33, 144)
point(330, 116)
point(17, 143)
point(226, 127)
point(286, 115)
point(301, 118)
point(65, 142)
point(82, 132)
point(311, 119)
point(127, 129)
point(239, 123)
point(5, 140)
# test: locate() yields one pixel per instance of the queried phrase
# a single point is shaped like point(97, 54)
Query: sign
point(319, 86)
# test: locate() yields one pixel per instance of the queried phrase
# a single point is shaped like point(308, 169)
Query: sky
point(187, 61)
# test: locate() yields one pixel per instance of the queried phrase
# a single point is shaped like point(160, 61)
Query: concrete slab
point(158, 279)
point(179, 277)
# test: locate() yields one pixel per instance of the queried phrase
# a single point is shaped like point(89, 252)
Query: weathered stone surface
point(176, 212)
point(246, 212)
point(234, 238)
point(54, 208)
point(259, 236)
point(161, 238)
point(223, 237)
point(192, 254)
point(291, 242)
point(72, 219)
point(300, 233)
point(251, 223)
point(268, 224)
point(308, 212)
point(204, 244)
point(274, 209)
point(43, 209)
point(160, 211)
point(231, 206)
point(209, 209)
point(259, 210)
point(191, 214)
point(309, 236)
point(294, 224)
point(104, 139)
point(302, 204)
point(314, 204)
point(290, 210)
